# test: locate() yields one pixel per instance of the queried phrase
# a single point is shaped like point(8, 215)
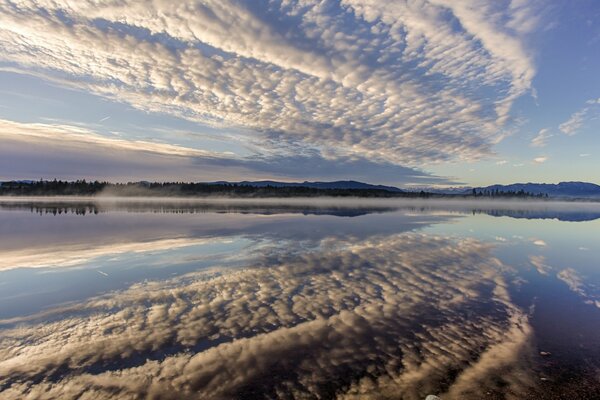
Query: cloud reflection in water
point(392, 316)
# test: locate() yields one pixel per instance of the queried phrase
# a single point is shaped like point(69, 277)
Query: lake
point(308, 299)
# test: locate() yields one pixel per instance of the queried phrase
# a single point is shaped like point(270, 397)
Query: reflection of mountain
point(530, 210)
point(572, 216)
point(398, 316)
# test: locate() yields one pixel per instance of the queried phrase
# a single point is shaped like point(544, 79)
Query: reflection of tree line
point(65, 210)
point(543, 214)
point(55, 209)
point(92, 208)
point(87, 208)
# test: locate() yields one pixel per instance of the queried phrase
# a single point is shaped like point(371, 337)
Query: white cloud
point(83, 137)
point(36, 150)
point(541, 138)
point(391, 82)
point(574, 123)
point(579, 118)
point(501, 162)
point(540, 159)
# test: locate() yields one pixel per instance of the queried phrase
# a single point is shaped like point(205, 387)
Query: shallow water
point(344, 299)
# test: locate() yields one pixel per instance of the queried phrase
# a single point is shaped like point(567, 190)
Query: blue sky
point(415, 92)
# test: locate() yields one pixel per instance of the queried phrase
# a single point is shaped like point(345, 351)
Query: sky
point(404, 92)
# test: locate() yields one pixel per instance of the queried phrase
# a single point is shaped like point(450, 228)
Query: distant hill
point(314, 185)
point(562, 189)
point(457, 190)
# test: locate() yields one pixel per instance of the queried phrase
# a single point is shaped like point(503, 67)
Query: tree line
point(178, 189)
point(190, 189)
point(505, 193)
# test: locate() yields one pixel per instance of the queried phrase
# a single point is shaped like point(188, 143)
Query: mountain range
point(562, 189)
point(567, 190)
point(315, 185)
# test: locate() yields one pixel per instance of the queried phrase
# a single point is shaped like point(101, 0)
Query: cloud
point(35, 150)
point(75, 136)
point(502, 162)
point(579, 118)
point(509, 358)
point(540, 159)
point(574, 123)
point(397, 83)
point(348, 314)
point(539, 262)
point(73, 255)
point(576, 284)
point(313, 166)
point(541, 139)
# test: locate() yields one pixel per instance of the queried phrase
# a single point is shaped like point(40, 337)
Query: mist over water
point(298, 298)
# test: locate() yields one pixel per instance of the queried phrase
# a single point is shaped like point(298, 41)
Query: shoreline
point(341, 202)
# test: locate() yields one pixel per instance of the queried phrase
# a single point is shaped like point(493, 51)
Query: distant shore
point(261, 190)
point(347, 201)
point(237, 190)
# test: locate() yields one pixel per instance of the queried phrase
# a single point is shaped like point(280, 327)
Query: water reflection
point(394, 304)
point(393, 314)
point(91, 207)
point(563, 211)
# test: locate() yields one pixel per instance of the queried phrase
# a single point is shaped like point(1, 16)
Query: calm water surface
point(330, 300)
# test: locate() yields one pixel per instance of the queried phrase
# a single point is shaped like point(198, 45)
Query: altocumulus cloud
point(347, 316)
point(391, 82)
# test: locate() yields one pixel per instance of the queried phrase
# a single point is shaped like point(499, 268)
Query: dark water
point(328, 300)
